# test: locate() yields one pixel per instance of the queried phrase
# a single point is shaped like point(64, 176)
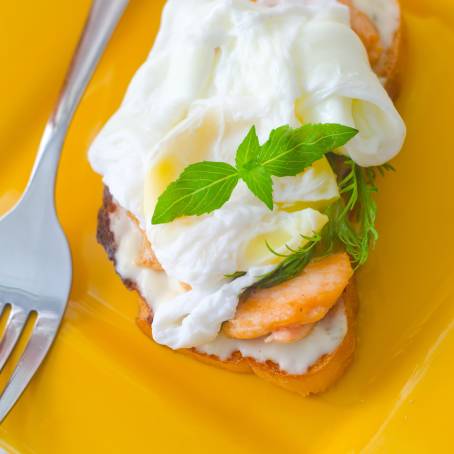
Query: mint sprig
point(206, 186)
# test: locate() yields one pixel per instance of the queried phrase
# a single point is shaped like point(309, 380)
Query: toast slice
point(323, 373)
point(319, 376)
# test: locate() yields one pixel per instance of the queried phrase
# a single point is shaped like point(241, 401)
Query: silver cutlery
point(35, 259)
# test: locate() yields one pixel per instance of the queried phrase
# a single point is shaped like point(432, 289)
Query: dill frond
point(353, 216)
point(292, 264)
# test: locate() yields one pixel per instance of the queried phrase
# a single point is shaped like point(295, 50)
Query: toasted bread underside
point(329, 368)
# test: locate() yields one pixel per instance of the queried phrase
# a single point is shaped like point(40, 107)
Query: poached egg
point(217, 68)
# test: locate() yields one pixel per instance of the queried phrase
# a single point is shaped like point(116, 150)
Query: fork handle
point(102, 20)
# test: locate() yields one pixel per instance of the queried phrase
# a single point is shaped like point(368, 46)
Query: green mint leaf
point(259, 181)
point(200, 189)
point(248, 150)
point(289, 151)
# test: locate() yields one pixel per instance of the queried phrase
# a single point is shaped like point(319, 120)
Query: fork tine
point(42, 337)
point(14, 327)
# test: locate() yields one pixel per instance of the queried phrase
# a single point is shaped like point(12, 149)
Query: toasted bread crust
point(104, 235)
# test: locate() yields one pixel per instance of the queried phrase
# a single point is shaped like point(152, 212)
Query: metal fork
point(35, 259)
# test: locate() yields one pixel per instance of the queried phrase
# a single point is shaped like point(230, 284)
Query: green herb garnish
point(235, 275)
point(352, 217)
point(206, 186)
point(292, 264)
point(351, 224)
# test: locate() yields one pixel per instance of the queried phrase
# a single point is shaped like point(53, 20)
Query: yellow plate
point(105, 388)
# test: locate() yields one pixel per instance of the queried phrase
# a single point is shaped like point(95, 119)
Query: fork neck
point(102, 19)
point(40, 187)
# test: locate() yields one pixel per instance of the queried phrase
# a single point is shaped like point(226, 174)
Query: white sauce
point(155, 286)
point(158, 289)
point(197, 316)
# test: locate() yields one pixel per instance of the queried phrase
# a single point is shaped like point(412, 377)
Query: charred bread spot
point(106, 237)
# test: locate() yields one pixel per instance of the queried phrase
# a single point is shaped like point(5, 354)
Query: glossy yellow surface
point(105, 388)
